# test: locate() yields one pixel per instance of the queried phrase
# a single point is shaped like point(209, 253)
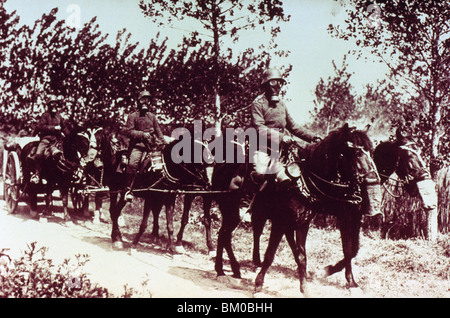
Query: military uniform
point(273, 122)
point(145, 136)
point(49, 129)
point(137, 126)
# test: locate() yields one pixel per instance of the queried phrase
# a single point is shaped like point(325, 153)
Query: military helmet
point(270, 74)
point(144, 94)
point(53, 99)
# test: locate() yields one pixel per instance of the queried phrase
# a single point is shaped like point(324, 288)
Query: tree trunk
point(432, 215)
point(217, 110)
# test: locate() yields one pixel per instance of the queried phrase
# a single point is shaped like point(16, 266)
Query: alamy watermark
point(374, 19)
point(74, 18)
point(204, 146)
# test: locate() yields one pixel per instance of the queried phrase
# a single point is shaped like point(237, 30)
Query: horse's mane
point(325, 157)
point(336, 139)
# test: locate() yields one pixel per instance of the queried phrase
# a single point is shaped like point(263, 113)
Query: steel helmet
point(53, 99)
point(270, 74)
point(144, 94)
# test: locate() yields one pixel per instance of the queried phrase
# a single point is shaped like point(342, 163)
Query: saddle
point(152, 161)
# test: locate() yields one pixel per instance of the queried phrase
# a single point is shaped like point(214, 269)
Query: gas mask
point(52, 108)
point(273, 88)
point(144, 104)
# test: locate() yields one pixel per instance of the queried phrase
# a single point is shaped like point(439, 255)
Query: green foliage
point(380, 105)
point(412, 38)
point(96, 78)
point(35, 276)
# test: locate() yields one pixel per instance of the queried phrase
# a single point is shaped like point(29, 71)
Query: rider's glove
point(316, 139)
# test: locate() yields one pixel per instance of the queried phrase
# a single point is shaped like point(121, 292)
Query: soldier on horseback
point(273, 122)
point(50, 130)
point(145, 135)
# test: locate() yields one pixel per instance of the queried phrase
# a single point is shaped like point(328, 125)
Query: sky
point(305, 36)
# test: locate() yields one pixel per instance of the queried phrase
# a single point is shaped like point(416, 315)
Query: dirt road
point(168, 276)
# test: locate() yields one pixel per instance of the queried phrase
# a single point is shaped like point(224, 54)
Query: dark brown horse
point(59, 172)
point(342, 180)
point(158, 187)
point(403, 158)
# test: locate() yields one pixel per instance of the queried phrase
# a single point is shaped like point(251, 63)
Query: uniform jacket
point(46, 126)
point(137, 125)
point(266, 117)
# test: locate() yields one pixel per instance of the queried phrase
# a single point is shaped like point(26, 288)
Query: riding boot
point(257, 185)
point(35, 176)
point(129, 181)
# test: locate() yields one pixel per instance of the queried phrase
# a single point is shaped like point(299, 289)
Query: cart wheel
point(12, 186)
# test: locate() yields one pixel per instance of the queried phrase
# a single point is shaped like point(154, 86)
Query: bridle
point(408, 176)
point(351, 191)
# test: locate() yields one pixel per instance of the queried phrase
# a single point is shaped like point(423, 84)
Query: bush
point(35, 276)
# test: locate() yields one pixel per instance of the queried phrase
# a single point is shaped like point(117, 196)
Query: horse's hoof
point(258, 289)
point(33, 214)
point(179, 249)
point(118, 245)
point(121, 221)
point(356, 292)
point(96, 221)
point(327, 271)
point(133, 251)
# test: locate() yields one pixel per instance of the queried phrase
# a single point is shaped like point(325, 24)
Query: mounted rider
point(273, 122)
point(50, 129)
point(145, 135)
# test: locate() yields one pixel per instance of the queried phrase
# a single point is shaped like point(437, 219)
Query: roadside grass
point(382, 268)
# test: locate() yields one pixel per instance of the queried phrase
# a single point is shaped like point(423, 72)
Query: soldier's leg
point(131, 171)
point(38, 159)
point(261, 161)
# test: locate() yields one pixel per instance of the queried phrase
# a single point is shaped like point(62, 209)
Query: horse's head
point(403, 157)
point(186, 158)
point(84, 144)
point(344, 159)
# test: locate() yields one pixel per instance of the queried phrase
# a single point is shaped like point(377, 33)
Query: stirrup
point(128, 196)
point(245, 214)
point(35, 179)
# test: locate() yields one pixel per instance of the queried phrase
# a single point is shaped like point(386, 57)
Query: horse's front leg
point(116, 206)
point(65, 203)
point(258, 226)
point(349, 226)
point(207, 202)
point(170, 208)
point(49, 204)
point(143, 225)
point(230, 220)
point(274, 241)
point(187, 203)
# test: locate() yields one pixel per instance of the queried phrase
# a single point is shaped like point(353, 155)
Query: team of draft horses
point(278, 180)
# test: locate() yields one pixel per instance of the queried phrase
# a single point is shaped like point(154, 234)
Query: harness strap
point(355, 200)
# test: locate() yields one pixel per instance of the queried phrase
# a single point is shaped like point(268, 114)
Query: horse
point(57, 171)
point(338, 177)
point(187, 204)
point(403, 158)
point(158, 187)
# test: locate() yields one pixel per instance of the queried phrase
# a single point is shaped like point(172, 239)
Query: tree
point(220, 18)
point(380, 106)
point(335, 102)
point(96, 78)
point(412, 38)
